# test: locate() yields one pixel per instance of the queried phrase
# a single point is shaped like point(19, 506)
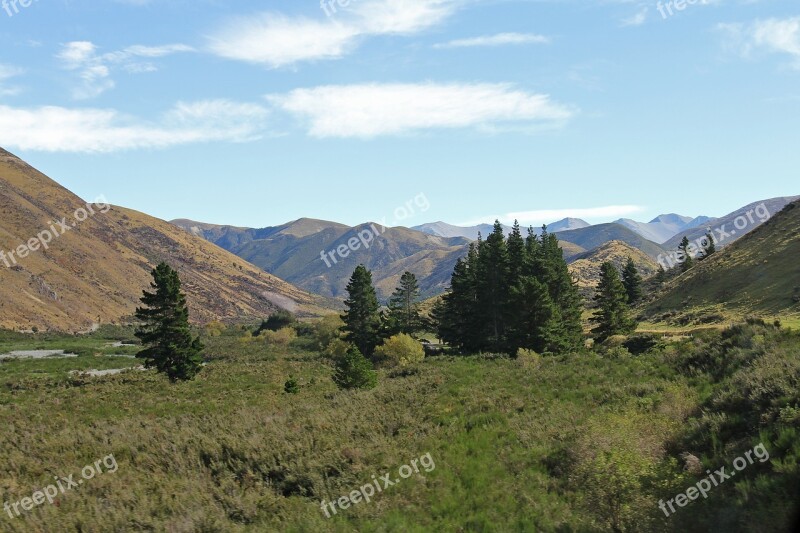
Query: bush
point(281, 337)
point(291, 386)
point(215, 328)
point(276, 321)
point(354, 371)
point(328, 329)
point(401, 350)
point(336, 348)
point(640, 344)
point(528, 358)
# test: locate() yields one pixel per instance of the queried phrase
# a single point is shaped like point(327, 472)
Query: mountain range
point(296, 251)
point(95, 271)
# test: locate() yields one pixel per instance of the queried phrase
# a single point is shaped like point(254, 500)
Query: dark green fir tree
point(164, 330)
point(362, 322)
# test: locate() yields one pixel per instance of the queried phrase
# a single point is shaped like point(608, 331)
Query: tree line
point(507, 294)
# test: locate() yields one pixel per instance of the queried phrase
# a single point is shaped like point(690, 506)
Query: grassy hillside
point(759, 213)
point(573, 443)
point(95, 272)
point(758, 273)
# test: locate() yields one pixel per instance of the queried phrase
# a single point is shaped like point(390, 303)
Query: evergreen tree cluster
point(511, 293)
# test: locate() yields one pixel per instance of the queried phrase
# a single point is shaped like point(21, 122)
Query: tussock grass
point(230, 451)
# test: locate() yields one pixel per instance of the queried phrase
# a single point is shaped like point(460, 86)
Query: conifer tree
point(403, 316)
point(661, 275)
point(535, 326)
point(459, 313)
point(568, 330)
point(688, 260)
point(516, 254)
point(353, 371)
point(493, 285)
point(362, 321)
point(711, 248)
point(164, 332)
point(632, 281)
point(612, 307)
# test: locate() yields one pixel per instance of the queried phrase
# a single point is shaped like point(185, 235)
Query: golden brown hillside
point(585, 267)
point(95, 271)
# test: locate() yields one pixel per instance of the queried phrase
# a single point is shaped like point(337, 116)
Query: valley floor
point(577, 443)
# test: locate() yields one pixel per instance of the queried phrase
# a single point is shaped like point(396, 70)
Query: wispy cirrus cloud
point(91, 130)
point(276, 40)
point(774, 35)
point(6, 73)
point(373, 110)
point(94, 69)
point(547, 216)
point(499, 39)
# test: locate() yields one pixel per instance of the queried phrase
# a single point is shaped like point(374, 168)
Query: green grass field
point(585, 442)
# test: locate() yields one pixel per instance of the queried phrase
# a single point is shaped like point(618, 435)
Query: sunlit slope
point(758, 273)
point(95, 272)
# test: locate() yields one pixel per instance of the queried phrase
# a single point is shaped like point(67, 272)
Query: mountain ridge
point(94, 272)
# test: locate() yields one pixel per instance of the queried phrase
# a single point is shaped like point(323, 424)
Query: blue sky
point(257, 113)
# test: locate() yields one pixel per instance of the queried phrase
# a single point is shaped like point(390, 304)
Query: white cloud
point(6, 73)
point(373, 110)
point(547, 216)
point(636, 20)
point(59, 129)
point(771, 35)
point(276, 40)
point(496, 40)
point(94, 70)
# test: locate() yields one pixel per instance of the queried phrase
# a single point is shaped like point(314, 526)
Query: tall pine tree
point(612, 305)
point(459, 315)
point(493, 286)
point(632, 281)
point(404, 316)
point(711, 247)
point(164, 332)
point(362, 321)
point(688, 260)
point(568, 330)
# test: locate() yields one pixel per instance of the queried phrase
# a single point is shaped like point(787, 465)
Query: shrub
point(276, 321)
point(281, 337)
point(639, 344)
point(354, 371)
point(401, 350)
point(291, 386)
point(336, 348)
point(215, 328)
point(528, 358)
point(328, 329)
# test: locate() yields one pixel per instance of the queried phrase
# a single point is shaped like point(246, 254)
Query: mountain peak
point(672, 219)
